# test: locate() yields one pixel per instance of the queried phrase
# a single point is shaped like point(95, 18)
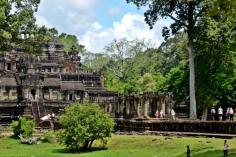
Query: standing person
point(213, 113)
point(227, 114)
point(188, 151)
point(161, 114)
point(157, 114)
point(173, 114)
point(220, 113)
point(231, 114)
point(226, 146)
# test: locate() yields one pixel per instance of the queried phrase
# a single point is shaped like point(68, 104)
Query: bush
point(49, 137)
point(22, 127)
point(83, 124)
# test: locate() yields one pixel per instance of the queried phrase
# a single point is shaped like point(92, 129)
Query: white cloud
point(41, 21)
point(131, 26)
point(92, 22)
point(67, 16)
point(85, 4)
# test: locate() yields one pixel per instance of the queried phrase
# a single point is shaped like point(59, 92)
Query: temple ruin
point(35, 85)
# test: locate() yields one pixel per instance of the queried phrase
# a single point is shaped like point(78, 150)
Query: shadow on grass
point(67, 151)
point(14, 137)
point(211, 153)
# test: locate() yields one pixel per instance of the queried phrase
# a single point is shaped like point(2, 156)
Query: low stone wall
point(169, 126)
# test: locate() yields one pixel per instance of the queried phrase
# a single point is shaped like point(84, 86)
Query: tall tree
point(95, 61)
point(215, 61)
point(121, 51)
point(70, 41)
point(174, 52)
point(185, 14)
point(15, 16)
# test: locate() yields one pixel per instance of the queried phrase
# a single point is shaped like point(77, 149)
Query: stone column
point(127, 108)
point(138, 106)
point(163, 108)
point(27, 93)
point(146, 108)
point(117, 107)
point(110, 108)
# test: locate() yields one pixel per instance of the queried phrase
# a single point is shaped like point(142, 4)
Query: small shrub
point(49, 137)
point(82, 124)
point(22, 127)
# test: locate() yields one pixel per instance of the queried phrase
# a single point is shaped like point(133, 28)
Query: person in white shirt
point(173, 114)
point(226, 146)
point(213, 113)
point(161, 114)
point(231, 114)
point(220, 113)
point(227, 114)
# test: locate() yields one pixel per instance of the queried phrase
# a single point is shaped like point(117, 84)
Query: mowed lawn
point(125, 146)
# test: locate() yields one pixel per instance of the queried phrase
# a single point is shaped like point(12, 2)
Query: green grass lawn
point(125, 146)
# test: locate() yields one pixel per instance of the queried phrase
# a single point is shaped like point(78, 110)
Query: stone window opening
point(8, 66)
point(33, 94)
point(70, 97)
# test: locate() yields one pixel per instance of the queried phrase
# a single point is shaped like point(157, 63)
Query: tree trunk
point(193, 110)
point(90, 144)
point(191, 23)
point(85, 146)
point(204, 113)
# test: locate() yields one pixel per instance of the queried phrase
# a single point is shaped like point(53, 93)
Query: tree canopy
point(186, 16)
point(16, 16)
point(82, 124)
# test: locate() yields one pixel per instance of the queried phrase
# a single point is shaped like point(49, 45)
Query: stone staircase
point(35, 111)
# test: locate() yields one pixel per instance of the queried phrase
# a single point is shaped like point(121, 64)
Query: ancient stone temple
point(34, 85)
point(41, 84)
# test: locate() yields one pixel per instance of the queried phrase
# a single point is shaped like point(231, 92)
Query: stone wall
point(176, 126)
point(8, 93)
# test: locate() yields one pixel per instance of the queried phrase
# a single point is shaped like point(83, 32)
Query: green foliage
point(174, 52)
point(15, 15)
point(83, 124)
point(70, 41)
point(215, 61)
point(95, 61)
point(22, 127)
point(49, 137)
point(147, 83)
point(177, 83)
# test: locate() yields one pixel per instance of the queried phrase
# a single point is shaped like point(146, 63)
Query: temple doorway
point(70, 97)
point(33, 93)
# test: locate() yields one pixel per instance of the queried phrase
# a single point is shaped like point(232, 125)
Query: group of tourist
point(161, 114)
point(228, 116)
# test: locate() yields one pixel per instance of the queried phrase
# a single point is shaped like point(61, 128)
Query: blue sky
point(97, 22)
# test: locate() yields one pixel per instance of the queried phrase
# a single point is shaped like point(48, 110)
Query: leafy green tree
point(185, 15)
point(176, 82)
point(95, 61)
point(121, 51)
point(148, 61)
point(15, 16)
point(215, 62)
point(70, 41)
point(129, 61)
point(82, 124)
point(147, 83)
point(174, 52)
